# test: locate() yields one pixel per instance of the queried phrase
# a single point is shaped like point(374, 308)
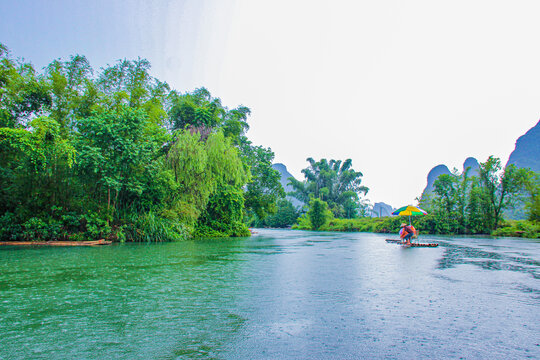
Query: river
point(281, 294)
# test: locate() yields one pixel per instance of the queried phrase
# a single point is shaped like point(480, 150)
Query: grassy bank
point(425, 225)
point(377, 225)
point(519, 228)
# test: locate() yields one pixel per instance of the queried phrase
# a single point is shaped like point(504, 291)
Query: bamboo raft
point(57, 243)
point(399, 242)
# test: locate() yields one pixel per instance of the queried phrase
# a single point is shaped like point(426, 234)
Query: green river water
point(280, 294)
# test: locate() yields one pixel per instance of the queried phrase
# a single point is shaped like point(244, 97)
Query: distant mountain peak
point(470, 162)
point(441, 169)
point(526, 153)
point(473, 166)
point(280, 167)
point(381, 209)
point(433, 175)
point(285, 175)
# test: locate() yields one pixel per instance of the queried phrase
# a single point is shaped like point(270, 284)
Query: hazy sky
point(397, 86)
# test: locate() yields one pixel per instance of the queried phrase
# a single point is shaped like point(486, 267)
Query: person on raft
point(407, 232)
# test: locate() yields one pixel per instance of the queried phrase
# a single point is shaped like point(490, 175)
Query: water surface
point(280, 294)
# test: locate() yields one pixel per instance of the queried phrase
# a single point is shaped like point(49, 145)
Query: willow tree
point(206, 171)
point(199, 112)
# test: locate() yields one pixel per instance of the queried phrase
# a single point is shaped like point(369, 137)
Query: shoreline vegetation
point(116, 154)
point(390, 225)
point(460, 204)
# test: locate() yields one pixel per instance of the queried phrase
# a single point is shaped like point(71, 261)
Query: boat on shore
point(57, 243)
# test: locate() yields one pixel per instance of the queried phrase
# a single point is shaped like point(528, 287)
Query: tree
point(333, 181)
point(285, 216)
point(115, 150)
point(532, 186)
point(445, 201)
point(206, 172)
point(71, 89)
point(129, 82)
point(201, 113)
point(23, 94)
point(117, 154)
point(264, 189)
point(318, 213)
point(223, 216)
point(499, 188)
point(475, 220)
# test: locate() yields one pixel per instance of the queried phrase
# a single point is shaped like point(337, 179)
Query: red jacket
point(409, 229)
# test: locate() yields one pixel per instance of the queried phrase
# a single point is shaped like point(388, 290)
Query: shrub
point(149, 227)
point(96, 227)
point(519, 228)
point(10, 229)
point(303, 223)
point(36, 229)
point(318, 213)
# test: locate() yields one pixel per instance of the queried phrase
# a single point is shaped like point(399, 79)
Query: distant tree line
point(330, 189)
point(465, 204)
point(461, 203)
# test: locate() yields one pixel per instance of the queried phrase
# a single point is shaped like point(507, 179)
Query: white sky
point(397, 86)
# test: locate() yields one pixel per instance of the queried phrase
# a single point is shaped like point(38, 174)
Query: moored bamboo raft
point(57, 243)
point(399, 242)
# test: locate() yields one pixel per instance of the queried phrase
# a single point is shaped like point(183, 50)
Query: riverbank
point(385, 225)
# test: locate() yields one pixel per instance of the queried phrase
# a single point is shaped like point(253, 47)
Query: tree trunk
point(108, 203)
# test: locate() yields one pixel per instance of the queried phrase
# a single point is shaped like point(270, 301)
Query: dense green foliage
point(318, 213)
point(262, 194)
point(285, 216)
point(532, 191)
point(331, 189)
point(390, 225)
point(117, 154)
point(365, 224)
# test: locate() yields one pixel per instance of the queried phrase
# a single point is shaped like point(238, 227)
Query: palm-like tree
point(333, 181)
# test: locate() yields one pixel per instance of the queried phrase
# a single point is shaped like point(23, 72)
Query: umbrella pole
point(410, 224)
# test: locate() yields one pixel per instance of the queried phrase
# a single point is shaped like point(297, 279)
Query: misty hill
point(381, 209)
point(526, 154)
point(433, 175)
point(285, 175)
point(471, 163)
point(439, 170)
